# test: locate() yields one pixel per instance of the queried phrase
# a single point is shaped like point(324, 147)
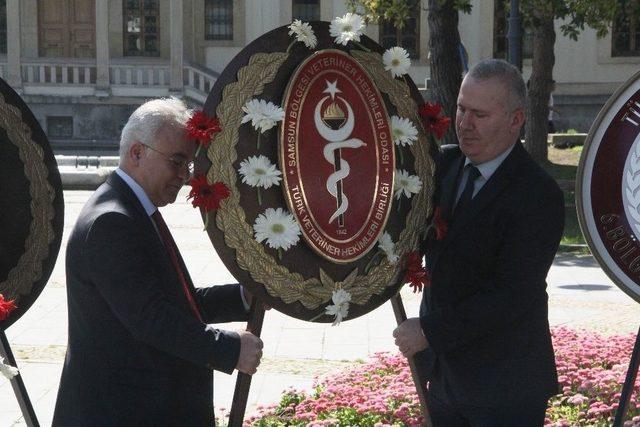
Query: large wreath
point(268, 62)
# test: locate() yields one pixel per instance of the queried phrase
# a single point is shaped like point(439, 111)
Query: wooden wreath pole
point(18, 385)
point(243, 382)
point(419, 378)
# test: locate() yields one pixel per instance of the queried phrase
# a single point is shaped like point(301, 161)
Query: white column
point(102, 45)
point(13, 74)
point(176, 34)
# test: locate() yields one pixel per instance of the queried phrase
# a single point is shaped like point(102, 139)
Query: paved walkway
point(580, 295)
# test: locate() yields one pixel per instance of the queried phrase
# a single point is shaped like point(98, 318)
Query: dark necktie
point(172, 249)
point(467, 194)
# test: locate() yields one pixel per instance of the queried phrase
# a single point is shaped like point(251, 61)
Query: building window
point(500, 34)
point(60, 126)
point(141, 28)
point(625, 34)
point(218, 19)
point(3, 26)
point(306, 10)
point(408, 37)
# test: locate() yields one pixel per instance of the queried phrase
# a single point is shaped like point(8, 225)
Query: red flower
point(416, 275)
point(432, 119)
point(6, 307)
point(440, 224)
point(207, 196)
point(200, 127)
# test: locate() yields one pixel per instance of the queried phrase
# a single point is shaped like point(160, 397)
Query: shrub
point(378, 393)
point(591, 371)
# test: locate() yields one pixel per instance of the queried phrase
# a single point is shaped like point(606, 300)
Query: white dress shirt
point(486, 169)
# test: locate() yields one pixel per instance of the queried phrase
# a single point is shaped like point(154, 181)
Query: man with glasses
point(141, 350)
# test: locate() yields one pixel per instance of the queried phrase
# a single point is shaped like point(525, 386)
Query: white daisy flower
point(278, 228)
point(396, 60)
point(347, 28)
point(263, 115)
point(340, 306)
point(405, 183)
point(404, 132)
point(304, 33)
point(7, 370)
point(387, 246)
point(258, 171)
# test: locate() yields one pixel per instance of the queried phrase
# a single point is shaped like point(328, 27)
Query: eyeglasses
point(176, 161)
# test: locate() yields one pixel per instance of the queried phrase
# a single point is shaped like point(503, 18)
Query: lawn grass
point(561, 171)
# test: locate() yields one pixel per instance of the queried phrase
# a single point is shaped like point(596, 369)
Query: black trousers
point(445, 411)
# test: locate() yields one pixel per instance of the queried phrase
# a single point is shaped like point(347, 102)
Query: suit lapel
point(123, 189)
point(126, 192)
point(449, 187)
point(145, 221)
point(492, 188)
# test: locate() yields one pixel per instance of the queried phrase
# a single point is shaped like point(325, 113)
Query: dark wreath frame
point(301, 284)
point(31, 205)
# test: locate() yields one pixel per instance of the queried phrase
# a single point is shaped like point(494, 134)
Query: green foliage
point(290, 399)
point(597, 14)
point(342, 417)
point(346, 417)
point(284, 411)
point(570, 413)
point(576, 14)
point(395, 11)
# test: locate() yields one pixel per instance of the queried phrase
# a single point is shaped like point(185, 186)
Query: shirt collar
point(146, 202)
point(488, 168)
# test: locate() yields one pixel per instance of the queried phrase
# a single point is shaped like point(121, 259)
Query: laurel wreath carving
point(28, 270)
point(238, 234)
point(632, 187)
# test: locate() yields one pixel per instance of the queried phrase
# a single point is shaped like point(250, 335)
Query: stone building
point(84, 65)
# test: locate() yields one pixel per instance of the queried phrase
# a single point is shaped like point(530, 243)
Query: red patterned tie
point(172, 249)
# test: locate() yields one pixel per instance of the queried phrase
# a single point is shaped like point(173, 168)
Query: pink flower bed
point(591, 370)
point(377, 393)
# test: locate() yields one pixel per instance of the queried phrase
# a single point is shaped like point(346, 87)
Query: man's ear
point(517, 120)
point(135, 152)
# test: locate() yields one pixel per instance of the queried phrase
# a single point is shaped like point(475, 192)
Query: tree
point(444, 42)
point(445, 61)
point(539, 16)
point(393, 11)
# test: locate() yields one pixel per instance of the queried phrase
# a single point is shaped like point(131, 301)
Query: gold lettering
point(621, 244)
point(616, 233)
point(633, 111)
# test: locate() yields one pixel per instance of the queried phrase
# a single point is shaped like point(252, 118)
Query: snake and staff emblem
point(334, 127)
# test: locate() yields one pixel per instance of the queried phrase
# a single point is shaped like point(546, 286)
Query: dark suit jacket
point(485, 314)
point(137, 356)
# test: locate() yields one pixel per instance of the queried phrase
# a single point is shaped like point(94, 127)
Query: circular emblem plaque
point(331, 108)
point(332, 145)
point(608, 188)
